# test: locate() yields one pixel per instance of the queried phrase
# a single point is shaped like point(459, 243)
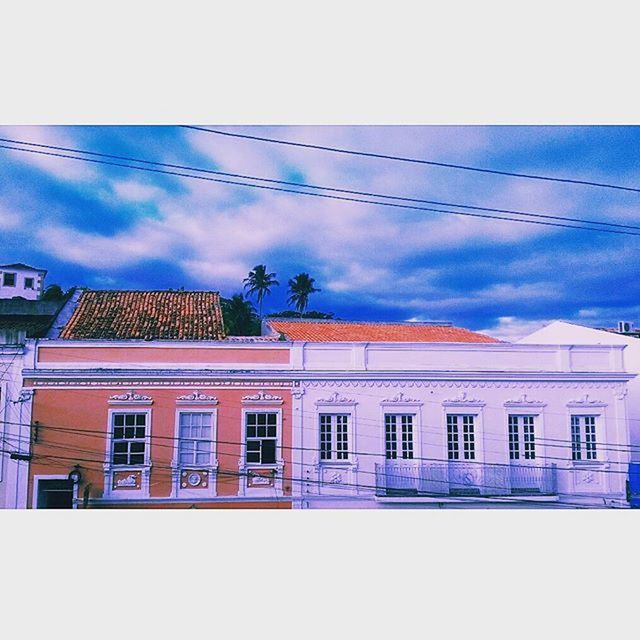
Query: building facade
point(21, 280)
point(456, 425)
point(567, 333)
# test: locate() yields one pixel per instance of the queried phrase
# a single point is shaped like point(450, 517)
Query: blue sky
point(111, 227)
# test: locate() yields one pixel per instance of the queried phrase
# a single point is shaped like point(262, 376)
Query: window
point(583, 437)
point(28, 283)
point(454, 437)
point(522, 437)
point(398, 427)
point(334, 436)
point(262, 430)
point(9, 279)
point(129, 442)
point(195, 438)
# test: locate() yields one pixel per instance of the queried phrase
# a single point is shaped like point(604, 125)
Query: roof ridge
point(425, 323)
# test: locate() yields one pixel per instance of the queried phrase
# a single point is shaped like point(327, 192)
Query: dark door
point(55, 494)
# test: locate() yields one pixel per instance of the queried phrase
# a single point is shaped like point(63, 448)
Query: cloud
point(57, 167)
point(134, 191)
point(9, 220)
point(511, 329)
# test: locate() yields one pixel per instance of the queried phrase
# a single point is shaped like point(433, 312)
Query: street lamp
point(74, 475)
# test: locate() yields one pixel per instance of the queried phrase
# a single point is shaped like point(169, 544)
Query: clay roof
point(146, 315)
point(340, 331)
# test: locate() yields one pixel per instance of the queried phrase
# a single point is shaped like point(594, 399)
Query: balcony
point(405, 478)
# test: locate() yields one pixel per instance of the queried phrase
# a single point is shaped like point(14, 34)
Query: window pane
point(141, 419)
point(118, 420)
point(268, 451)
point(130, 419)
point(137, 458)
point(137, 447)
point(129, 432)
point(119, 447)
point(120, 458)
point(118, 433)
point(139, 432)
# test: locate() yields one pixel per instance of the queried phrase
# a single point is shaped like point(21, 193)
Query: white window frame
point(334, 460)
point(521, 438)
point(177, 489)
point(33, 283)
point(398, 432)
point(145, 467)
point(15, 279)
point(245, 467)
point(582, 437)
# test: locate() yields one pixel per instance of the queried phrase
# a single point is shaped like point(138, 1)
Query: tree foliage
point(259, 283)
point(239, 315)
point(53, 292)
point(300, 288)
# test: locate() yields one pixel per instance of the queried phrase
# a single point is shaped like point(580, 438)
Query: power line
point(318, 187)
point(326, 196)
point(477, 499)
point(384, 156)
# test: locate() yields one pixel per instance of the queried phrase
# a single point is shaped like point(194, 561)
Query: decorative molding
point(464, 400)
point(584, 402)
point(525, 401)
point(196, 398)
point(336, 398)
point(262, 397)
point(297, 392)
point(131, 397)
point(400, 398)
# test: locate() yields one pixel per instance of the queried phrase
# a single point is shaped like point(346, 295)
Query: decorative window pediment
point(336, 399)
point(586, 403)
point(262, 397)
point(131, 397)
point(401, 399)
point(463, 400)
point(196, 398)
point(525, 402)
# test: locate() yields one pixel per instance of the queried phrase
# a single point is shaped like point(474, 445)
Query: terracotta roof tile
point(338, 331)
point(146, 315)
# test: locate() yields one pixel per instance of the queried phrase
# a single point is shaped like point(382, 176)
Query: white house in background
point(566, 333)
point(380, 424)
point(21, 280)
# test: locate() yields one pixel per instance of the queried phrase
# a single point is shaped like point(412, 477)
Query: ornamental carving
point(586, 402)
point(524, 400)
point(463, 398)
point(336, 398)
point(196, 397)
point(264, 398)
point(130, 397)
point(401, 398)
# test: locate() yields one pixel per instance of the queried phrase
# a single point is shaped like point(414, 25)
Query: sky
point(107, 227)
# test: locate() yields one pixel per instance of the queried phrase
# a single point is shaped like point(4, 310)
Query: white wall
point(548, 382)
point(20, 289)
point(15, 416)
point(566, 333)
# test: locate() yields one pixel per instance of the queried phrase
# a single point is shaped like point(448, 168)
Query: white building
point(456, 425)
point(21, 321)
point(21, 280)
point(15, 418)
point(567, 333)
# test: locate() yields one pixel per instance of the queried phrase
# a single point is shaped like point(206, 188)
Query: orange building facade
point(160, 424)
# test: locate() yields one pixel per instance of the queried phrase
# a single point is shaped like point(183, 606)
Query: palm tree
point(239, 316)
point(260, 283)
point(300, 288)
